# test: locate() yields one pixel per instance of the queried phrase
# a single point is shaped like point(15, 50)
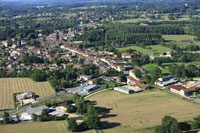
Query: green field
point(142, 110)
point(131, 20)
point(149, 50)
point(178, 37)
point(151, 67)
point(180, 40)
point(159, 49)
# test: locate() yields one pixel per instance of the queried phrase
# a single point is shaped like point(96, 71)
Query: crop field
point(9, 86)
point(38, 127)
point(142, 110)
point(149, 50)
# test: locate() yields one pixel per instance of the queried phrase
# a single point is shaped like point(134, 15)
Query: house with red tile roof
point(181, 90)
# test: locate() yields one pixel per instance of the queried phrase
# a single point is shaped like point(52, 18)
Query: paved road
point(31, 105)
point(195, 101)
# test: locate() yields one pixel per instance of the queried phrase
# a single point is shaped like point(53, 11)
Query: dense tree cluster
point(169, 125)
point(183, 71)
point(91, 118)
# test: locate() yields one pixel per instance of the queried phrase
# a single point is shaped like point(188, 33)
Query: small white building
point(85, 77)
point(25, 116)
point(89, 88)
point(124, 90)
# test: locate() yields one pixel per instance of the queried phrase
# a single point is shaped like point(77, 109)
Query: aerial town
point(86, 66)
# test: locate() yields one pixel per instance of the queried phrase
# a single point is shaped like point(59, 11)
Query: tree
point(170, 125)
point(80, 105)
point(6, 118)
point(159, 129)
point(72, 125)
point(34, 117)
point(122, 78)
point(97, 81)
point(92, 120)
point(138, 74)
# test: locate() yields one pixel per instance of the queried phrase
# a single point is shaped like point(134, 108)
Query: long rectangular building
point(124, 90)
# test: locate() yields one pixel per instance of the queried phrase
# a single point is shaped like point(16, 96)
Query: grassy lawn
point(149, 50)
point(142, 110)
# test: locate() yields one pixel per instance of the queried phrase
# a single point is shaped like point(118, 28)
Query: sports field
point(9, 86)
point(145, 109)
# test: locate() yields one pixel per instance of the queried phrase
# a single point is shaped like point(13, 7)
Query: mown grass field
point(149, 50)
point(143, 110)
point(9, 86)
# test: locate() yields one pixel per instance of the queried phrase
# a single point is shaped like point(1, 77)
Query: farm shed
point(124, 90)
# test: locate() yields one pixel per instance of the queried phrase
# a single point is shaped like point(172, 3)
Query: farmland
point(149, 50)
point(144, 109)
point(180, 40)
point(9, 86)
point(178, 37)
point(39, 127)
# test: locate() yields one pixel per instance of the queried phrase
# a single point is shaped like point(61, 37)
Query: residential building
point(181, 90)
point(166, 81)
point(139, 85)
point(127, 55)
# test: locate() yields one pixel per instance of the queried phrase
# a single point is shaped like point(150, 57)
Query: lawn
point(149, 50)
point(9, 86)
point(142, 110)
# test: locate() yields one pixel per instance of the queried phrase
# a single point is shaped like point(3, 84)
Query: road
point(40, 101)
